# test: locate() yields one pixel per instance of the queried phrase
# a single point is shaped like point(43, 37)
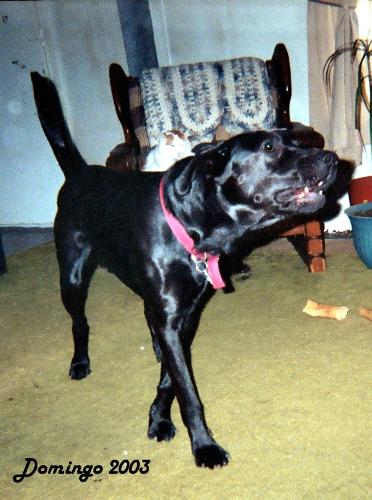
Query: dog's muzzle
point(308, 196)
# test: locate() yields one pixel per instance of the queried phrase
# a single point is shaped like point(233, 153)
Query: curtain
point(332, 24)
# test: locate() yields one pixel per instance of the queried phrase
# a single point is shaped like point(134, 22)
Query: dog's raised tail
point(51, 117)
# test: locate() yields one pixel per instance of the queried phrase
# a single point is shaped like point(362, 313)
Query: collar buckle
point(201, 265)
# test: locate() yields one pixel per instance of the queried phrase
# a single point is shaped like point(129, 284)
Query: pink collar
point(204, 262)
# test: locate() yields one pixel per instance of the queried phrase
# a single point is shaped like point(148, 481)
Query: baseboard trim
point(25, 228)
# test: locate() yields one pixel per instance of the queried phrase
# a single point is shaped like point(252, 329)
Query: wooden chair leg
point(314, 236)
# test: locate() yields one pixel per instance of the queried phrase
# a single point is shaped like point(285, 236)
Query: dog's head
point(252, 180)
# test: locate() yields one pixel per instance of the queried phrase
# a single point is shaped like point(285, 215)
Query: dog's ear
point(203, 147)
point(210, 163)
point(185, 169)
point(220, 149)
point(213, 160)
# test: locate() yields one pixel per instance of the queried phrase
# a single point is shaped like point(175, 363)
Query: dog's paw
point(211, 456)
point(243, 272)
point(79, 369)
point(161, 430)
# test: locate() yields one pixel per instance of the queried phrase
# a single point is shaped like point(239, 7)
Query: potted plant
point(360, 190)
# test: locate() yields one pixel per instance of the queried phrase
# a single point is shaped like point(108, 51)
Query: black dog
point(117, 221)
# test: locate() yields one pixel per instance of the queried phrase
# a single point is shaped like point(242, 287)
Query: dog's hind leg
point(76, 271)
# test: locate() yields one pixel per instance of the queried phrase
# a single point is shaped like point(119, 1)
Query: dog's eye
point(268, 146)
point(222, 150)
point(257, 198)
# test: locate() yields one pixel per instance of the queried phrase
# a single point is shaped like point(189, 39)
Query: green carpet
point(289, 396)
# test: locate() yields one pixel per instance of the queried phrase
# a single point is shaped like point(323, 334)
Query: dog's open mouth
point(305, 198)
point(308, 193)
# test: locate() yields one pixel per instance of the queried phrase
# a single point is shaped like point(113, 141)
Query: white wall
point(195, 30)
point(73, 42)
point(27, 170)
point(77, 42)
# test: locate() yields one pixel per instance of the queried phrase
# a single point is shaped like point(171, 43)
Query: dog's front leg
point(161, 426)
point(206, 451)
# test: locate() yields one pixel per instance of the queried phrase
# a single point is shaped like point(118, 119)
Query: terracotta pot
point(360, 190)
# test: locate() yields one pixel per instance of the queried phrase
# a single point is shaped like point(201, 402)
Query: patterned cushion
point(248, 101)
point(197, 98)
point(185, 97)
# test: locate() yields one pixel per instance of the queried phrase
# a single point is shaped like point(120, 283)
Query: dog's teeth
point(320, 183)
point(306, 190)
point(320, 192)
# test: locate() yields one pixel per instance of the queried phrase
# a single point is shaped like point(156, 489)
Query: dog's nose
point(325, 161)
point(320, 166)
point(330, 159)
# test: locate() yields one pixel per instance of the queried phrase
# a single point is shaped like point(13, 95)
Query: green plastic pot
point(362, 232)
